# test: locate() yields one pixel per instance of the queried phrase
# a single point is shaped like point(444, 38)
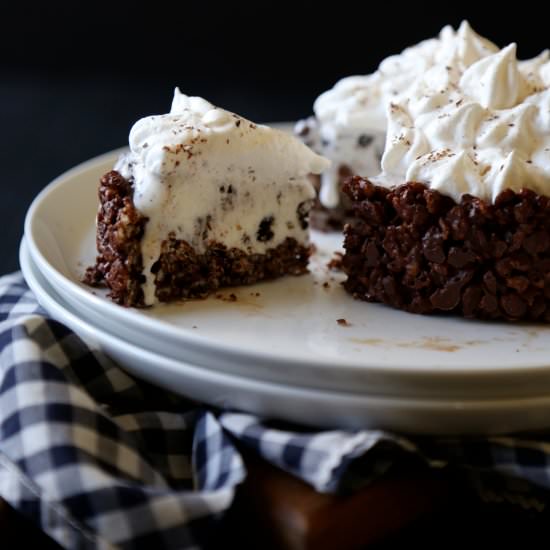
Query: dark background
point(73, 79)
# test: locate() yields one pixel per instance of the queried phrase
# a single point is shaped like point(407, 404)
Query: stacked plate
point(297, 349)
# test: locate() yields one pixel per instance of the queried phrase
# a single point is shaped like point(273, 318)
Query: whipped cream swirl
point(473, 126)
point(360, 101)
point(351, 117)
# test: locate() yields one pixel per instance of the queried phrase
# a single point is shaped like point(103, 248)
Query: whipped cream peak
point(166, 144)
point(470, 46)
point(182, 103)
point(536, 72)
point(530, 66)
point(352, 102)
point(476, 129)
point(494, 81)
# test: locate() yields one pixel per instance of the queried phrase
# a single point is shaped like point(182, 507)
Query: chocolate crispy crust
point(417, 250)
point(120, 228)
point(180, 273)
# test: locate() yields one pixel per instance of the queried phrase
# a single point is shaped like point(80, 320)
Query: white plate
point(289, 334)
point(311, 407)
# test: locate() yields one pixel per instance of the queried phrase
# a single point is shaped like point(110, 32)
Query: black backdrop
point(73, 79)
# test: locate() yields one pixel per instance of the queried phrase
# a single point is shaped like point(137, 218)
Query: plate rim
point(412, 412)
point(52, 297)
point(198, 341)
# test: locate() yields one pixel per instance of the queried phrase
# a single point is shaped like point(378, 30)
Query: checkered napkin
point(98, 459)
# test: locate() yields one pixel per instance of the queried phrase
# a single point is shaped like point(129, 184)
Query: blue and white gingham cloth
point(97, 459)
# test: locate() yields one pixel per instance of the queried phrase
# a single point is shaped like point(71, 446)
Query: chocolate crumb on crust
point(420, 251)
point(180, 272)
